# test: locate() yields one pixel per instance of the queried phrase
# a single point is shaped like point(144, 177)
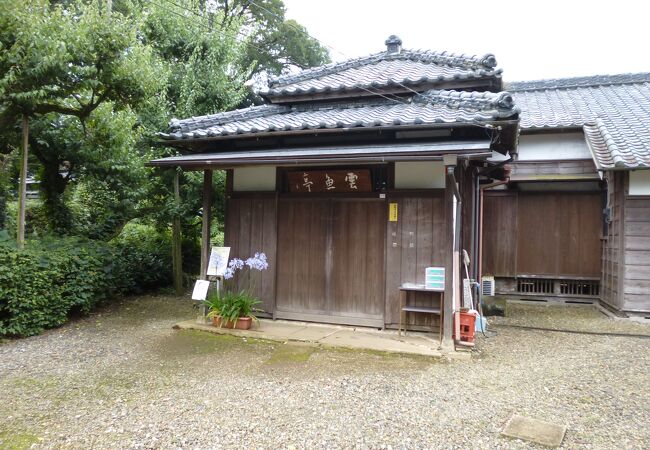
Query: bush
point(41, 285)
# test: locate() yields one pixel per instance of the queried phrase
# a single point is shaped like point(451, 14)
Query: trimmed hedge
point(41, 285)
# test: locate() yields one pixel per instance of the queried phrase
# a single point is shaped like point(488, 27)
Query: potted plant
point(236, 309)
point(232, 309)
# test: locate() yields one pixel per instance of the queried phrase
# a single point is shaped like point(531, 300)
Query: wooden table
point(404, 308)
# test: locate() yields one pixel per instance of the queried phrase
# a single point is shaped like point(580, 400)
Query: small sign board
point(331, 181)
point(434, 278)
point(218, 261)
point(392, 212)
point(200, 291)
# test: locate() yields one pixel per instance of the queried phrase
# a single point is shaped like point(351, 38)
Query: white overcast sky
point(531, 39)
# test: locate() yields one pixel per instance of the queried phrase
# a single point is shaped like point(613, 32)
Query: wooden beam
point(22, 188)
point(177, 258)
point(207, 220)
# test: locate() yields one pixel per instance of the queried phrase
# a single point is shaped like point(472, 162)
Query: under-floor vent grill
point(534, 286)
point(487, 286)
point(578, 287)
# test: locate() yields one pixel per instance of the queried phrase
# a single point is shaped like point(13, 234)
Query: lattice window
point(534, 286)
point(580, 287)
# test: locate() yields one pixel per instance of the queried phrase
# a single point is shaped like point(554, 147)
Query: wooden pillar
point(22, 188)
point(207, 220)
point(177, 256)
point(450, 230)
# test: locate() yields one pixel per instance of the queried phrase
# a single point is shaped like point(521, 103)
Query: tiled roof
point(614, 111)
point(432, 107)
point(619, 143)
point(384, 69)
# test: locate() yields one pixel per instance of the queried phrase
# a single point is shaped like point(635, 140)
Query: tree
point(63, 61)
point(277, 44)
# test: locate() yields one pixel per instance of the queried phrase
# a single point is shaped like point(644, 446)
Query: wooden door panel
point(357, 258)
point(415, 241)
point(302, 235)
point(250, 228)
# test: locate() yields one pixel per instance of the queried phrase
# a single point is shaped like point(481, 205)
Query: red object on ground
point(467, 326)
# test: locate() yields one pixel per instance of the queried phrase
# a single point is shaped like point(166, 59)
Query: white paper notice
point(218, 261)
point(200, 291)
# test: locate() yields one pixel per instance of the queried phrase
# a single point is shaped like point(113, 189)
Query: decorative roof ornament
point(393, 44)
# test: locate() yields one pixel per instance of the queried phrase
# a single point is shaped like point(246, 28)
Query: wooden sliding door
point(331, 260)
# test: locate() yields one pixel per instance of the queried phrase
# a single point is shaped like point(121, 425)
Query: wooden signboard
point(316, 181)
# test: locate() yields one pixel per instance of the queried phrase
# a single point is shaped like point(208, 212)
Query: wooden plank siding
point(552, 234)
point(415, 241)
point(636, 282)
point(251, 228)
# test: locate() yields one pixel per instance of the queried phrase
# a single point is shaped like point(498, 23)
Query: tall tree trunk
point(177, 258)
point(22, 189)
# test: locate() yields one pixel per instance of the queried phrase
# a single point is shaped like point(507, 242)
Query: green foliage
point(5, 186)
point(276, 44)
point(35, 217)
point(230, 306)
point(43, 284)
point(70, 59)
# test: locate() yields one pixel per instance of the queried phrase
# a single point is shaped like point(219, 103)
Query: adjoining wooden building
point(355, 177)
point(578, 201)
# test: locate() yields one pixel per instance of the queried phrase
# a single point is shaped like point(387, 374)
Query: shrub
point(42, 284)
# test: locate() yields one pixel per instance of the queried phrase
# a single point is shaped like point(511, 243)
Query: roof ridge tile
point(486, 62)
point(253, 112)
point(578, 82)
point(502, 102)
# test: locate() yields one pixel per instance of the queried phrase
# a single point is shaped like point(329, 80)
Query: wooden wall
point(251, 227)
point(636, 289)
point(499, 233)
point(549, 233)
point(613, 242)
point(414, 242)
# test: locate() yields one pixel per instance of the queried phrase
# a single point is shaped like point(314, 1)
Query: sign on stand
point(218, 261)
point(200, 291)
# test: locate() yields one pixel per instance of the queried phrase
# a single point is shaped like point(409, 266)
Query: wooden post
point(207, 219)
point(177, 258)
point(22, 188)
point(450, 227)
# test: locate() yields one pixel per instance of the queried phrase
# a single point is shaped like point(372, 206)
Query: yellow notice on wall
point(392, 212)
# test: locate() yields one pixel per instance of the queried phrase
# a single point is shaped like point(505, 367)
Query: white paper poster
point(218, 261)
point(200, 291)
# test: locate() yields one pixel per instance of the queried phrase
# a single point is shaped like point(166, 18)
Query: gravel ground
point(122, 378)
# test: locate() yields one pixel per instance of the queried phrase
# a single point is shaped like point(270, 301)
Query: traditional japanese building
point(578, 201)
point(355, 177)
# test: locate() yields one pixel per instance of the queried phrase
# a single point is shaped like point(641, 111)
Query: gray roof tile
point(613, 109)
point(429, 108)
point(384, 69)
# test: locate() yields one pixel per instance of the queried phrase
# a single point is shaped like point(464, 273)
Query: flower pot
point(242, 323)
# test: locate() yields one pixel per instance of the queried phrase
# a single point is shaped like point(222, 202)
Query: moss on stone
point(290, 353)
point(16, 440)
